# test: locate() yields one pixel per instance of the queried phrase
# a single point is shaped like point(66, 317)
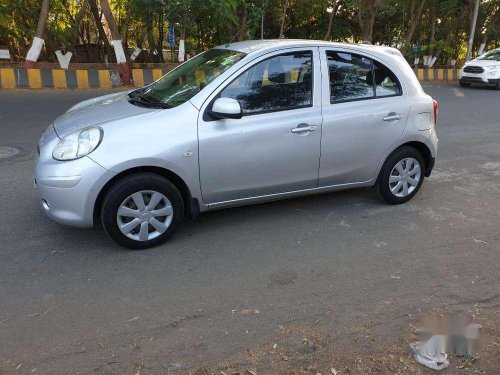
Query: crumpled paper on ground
point(432, 352)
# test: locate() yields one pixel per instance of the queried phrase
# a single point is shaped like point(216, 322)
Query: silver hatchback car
point(242, 123)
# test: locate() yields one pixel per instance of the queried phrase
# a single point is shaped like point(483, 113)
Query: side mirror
point(226, 108)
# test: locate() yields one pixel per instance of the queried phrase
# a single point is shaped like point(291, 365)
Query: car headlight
point(493, 68)
point(78, 144)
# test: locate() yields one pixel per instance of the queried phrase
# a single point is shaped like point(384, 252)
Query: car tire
point(141, 211)
point(497, 86)
point(394, 171)
point(464, 84)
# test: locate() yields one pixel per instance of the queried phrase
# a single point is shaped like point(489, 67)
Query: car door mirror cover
point(226, 108)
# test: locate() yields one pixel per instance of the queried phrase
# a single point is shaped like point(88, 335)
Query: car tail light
point(436, 111)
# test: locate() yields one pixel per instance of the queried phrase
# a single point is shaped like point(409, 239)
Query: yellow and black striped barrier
point(20, 78)
point(13, 78)
point(438, 74)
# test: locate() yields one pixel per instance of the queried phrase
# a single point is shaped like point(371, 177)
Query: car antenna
point(234, 36)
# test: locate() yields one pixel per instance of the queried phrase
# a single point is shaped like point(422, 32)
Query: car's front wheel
point(401, 176)
point(142, 210)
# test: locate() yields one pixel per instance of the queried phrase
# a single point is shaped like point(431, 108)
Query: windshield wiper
point(146, 101)
point(155, 102)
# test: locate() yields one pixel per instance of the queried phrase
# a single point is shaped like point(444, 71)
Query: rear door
point(364, 113)
point(269, 150)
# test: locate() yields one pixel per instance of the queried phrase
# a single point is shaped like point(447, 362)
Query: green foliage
point(442, 28)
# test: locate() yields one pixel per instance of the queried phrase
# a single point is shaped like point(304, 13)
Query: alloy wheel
point(405, 177)
point(144, 215)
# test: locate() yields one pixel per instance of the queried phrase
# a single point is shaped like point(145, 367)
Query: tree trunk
point(472, 30)
point(36, 46)
point(366, 26)
point(182, 49)
point(110, 19)
point(151, 42)
point(125, 31)
point(414, 20)
point(161, 34)
point(243, 13)
point(102, 35)
point(283, 19)
point(335, 6)
point(489, 24)
point(77, 22)
point(121, 59)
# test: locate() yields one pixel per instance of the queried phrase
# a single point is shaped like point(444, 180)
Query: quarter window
point(279, 83)
point(354, 77)
point(386, 83)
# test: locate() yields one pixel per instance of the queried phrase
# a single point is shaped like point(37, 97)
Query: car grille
point(473, 69)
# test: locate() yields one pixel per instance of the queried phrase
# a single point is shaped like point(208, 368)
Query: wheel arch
point(421, 147)
point(425, 152)
point(192, 208)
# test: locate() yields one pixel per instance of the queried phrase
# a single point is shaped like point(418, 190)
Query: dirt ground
point(318, 350)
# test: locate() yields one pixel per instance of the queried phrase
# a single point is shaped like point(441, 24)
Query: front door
point(266, 151)
point(364, 114)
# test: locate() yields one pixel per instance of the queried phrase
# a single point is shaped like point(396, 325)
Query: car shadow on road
point(270, 215)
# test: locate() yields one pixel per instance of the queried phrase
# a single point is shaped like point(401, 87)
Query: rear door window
point(350, 77)
point(355, 77)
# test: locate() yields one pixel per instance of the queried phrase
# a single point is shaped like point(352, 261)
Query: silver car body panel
point(238, 161)
point(99, 112)
point(166, 139)
point(258, 154)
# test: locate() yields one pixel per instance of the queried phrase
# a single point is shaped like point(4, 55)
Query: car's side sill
point(289, 194)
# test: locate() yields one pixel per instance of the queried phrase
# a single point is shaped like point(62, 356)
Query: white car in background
point(483, 70)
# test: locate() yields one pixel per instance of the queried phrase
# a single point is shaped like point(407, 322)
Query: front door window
point(279, 83)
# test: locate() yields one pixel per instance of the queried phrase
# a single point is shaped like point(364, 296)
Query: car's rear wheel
point(142, 210)
point(401, 176)
point(464, 84)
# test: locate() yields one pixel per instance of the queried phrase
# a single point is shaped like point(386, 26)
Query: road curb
point(21, 78)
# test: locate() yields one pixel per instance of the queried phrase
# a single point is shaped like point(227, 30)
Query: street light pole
point(472, 31)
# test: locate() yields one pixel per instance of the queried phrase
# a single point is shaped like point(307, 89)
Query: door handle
point(304, 128)
point(393, 117)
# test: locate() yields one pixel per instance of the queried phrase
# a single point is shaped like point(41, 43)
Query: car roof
point(252, 46)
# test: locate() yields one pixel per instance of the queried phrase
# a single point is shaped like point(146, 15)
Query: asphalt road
point(342, 269)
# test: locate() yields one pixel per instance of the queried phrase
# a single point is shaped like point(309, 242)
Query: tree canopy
point(418, 27)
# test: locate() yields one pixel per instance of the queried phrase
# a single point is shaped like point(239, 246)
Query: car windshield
point(182, 83)
point(495, 56)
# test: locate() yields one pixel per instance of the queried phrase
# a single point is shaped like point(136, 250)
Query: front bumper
point(68, 190)
point(481, 79)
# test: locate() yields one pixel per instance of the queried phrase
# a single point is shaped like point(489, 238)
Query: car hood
point(98, 111)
